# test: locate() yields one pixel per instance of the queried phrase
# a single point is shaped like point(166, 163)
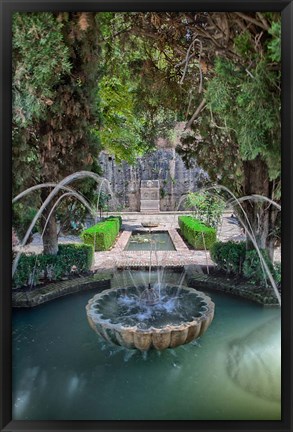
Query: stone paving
point(106, 263)
point(182, 256)
point(164, 221)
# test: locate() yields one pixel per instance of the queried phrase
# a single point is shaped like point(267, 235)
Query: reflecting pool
point(145, 241)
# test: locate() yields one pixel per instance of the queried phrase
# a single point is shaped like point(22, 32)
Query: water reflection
point(62, 371)
point(258, 354)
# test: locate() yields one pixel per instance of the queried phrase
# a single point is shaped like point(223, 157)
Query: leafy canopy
point(253, 121)
point(40, 57)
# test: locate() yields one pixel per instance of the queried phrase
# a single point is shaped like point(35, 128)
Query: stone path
point(120, 258)
point(167, 221)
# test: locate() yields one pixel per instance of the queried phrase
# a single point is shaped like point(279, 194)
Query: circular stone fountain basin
point(121, 317)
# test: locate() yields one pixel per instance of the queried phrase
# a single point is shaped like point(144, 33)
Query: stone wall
point(164, 165)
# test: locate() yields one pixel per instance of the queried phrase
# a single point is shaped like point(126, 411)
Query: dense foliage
point(40, 57)
point(206, 206)
point(72, 259)
point(234, 259)
point(135, 107)
point(55, 73)
point(229, 256)
point(54, 81)
point(254, 123)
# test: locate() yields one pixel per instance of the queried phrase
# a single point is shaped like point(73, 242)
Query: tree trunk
point(50, 237)
point(261, 214)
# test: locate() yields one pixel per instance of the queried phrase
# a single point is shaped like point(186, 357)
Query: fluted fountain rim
point(98, 320)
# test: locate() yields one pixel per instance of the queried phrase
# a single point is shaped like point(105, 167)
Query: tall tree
point(228, 66)
point(55, 104)
point(221, 71)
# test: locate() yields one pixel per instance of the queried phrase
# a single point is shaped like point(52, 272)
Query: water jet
point(146, 318)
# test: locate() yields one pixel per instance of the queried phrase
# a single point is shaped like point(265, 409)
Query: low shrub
point(103, 234)
point(197, 234)
point(27, 269)
point(229, 256)
point(233, 257)
point(79, 255)
point(71, 259)
point(252, 268)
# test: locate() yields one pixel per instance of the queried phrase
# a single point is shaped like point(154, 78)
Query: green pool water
point(144, 241)
point(63, 371)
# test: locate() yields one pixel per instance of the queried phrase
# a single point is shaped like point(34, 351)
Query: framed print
point(145, 246)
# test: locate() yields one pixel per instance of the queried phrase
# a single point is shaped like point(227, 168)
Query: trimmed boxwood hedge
point(198, 235)
point(71, 258)
point(102, 235)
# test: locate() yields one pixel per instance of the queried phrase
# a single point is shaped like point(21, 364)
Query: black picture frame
point(8, 7)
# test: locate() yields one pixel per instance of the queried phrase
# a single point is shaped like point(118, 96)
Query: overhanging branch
point(195, 114)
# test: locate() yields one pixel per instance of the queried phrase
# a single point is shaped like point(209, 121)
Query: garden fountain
point(150, 315)
point(153, 320)
point(144, 317)
point(171, 316)
point(237, 345)
point(57, 187)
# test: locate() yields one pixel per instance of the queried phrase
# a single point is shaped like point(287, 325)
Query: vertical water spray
point(150, 262)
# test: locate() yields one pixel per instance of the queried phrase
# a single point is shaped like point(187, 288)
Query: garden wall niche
point(164, 165)
point(150, 195)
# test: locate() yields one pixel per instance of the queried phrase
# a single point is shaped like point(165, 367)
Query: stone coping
point(121, 258)
point(199, 281)
point(98, 317)
point(52, 291)
point(246, 290)
point(175, 237)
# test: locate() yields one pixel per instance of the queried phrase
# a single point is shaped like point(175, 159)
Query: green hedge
point(71, 258)
point(102, 235)
point(196, 233)
point(118, 218)
point(233, 257)
point(253, 269)
point(229, 256)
